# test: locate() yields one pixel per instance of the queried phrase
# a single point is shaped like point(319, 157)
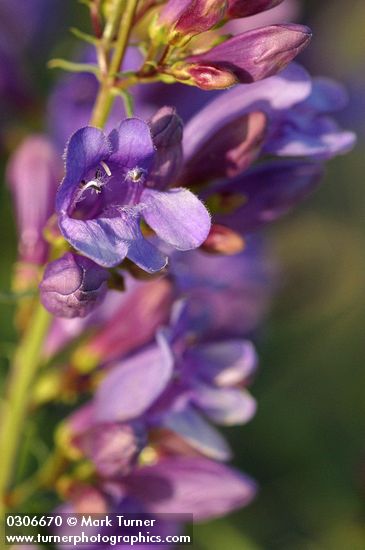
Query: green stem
point(105, 99)
point(26, 363)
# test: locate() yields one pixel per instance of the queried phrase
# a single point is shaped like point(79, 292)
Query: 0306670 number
point(24, 520)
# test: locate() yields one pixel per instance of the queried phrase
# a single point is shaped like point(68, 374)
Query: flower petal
point(167, 131)
point(225, 406)
point(198, 433)
point(177, 216)
point(224, 363)
point(132, 145)
point(131, 387)
point(205, 488)
point(317, 137)
point(271, 190)
point(108, 241)
point(86, 148)
point(229, 151)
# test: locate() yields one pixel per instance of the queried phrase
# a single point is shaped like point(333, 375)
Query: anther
point(106, 168)
point(136, 174)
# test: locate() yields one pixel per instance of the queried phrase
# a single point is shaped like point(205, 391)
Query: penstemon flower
point(108, 189)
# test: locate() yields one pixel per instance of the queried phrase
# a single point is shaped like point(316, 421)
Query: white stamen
point(106, 168)
point(93, 184)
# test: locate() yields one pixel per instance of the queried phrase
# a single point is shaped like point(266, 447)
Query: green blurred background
point(306, 445)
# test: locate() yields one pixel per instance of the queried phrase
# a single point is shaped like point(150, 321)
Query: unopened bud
point(73, 286)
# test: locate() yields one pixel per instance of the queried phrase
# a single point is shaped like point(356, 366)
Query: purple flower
point(210, 385)
point(106, 193)
point(33, 174)
point(286, 116)
point(273, 98)
point(179, 485)
point(247, 57)
point(73, 286)
point(308, 130)
point(183, 381)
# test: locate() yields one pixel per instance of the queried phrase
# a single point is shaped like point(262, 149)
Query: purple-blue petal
point(198, 433)
point(203, 487)
point(225, 363)
point(271, 190)
point(85, 150)
point(132, 145)
point(225, 406)
point(131, 387)
point(108, 241)
point(177, 216)
point(319, 138)
point(99, 238)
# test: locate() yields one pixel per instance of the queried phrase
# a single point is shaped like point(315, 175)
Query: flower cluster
point(150, 422)
point(147, 251)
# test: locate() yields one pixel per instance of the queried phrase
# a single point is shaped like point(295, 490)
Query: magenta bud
point(34, 172)
point(182, 19)
point(208, 77)
point(246, 8)
point(73, 286)
point(248, 57)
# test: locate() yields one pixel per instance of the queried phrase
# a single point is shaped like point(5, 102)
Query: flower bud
point(246, 8)
point(34, 171)
point(204, 76)
point(179, 20)
point(247, 57)
point(73, 286)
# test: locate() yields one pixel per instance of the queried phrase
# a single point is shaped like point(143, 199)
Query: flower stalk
point(25, 367)
point(105, 98)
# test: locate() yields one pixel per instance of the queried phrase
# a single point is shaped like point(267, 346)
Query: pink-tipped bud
point(179, 20)
point(247, 57)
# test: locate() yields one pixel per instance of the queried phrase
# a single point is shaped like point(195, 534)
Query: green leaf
point(128, 100)
point(89, 38)
point(73, 67)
